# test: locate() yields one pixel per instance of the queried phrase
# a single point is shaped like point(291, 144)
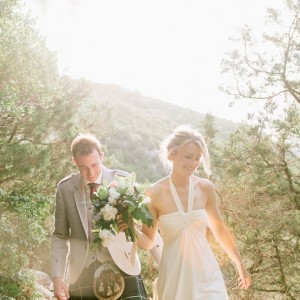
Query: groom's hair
point(84, 144)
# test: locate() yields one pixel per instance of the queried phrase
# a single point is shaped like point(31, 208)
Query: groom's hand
point(61, 290)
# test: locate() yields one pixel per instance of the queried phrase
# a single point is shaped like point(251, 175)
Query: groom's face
point(89, 165)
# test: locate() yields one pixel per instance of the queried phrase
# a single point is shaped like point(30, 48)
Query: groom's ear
point(74, 161)
point(101, 154)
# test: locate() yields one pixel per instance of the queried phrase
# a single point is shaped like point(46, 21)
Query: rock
point(44, 292)
point(43, 284)
point(42, 278)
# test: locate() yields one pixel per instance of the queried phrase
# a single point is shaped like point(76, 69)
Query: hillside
point(138, 124)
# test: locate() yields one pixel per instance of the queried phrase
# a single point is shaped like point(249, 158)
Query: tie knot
point(93, 188)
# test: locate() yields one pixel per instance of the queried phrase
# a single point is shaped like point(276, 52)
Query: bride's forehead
point(191, 147)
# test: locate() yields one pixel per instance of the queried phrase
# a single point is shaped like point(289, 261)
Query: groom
point(75, 270)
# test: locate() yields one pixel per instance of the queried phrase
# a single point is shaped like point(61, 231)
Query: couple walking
point(182, 206)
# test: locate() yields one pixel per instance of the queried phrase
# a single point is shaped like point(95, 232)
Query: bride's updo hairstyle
point(182, 135)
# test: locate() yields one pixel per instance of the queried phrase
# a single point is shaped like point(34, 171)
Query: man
point(77, 272)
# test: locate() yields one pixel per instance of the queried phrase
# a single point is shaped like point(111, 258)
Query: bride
point(183, 205)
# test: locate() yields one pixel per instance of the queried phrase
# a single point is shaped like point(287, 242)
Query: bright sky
point(165, 49)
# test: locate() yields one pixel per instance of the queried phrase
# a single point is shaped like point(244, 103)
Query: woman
point(183, 205)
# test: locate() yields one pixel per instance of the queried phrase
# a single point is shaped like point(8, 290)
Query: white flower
point(108, 212)
point(130, 191)
point(121, 183)
point(112, 201)
point(113, 193)
point(105, 236)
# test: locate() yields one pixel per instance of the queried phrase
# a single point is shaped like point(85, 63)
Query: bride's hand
point(121, 225)
point(244, 280)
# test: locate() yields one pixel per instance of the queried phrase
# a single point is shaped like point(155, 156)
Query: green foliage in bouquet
point(124, 198)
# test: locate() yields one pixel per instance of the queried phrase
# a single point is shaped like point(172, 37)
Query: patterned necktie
point(93, 188)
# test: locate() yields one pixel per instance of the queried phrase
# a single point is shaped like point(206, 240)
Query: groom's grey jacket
point(69, 243)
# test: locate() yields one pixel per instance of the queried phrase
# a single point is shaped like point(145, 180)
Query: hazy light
point(169, 50)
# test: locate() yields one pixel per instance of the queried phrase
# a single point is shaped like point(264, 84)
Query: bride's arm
point(147, 235)
point(223, 236)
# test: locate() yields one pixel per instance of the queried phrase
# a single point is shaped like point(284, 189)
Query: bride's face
point(187, 158)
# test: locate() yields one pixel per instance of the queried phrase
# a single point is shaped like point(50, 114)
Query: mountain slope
point(139, 124)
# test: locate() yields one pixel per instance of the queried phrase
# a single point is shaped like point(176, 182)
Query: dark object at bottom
point(83, 289)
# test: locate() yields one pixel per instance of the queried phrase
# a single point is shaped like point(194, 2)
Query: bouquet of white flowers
point(122, 197)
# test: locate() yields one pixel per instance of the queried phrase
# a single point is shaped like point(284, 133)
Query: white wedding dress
point(188, 269)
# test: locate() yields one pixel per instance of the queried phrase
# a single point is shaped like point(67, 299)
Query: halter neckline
point(177, 199)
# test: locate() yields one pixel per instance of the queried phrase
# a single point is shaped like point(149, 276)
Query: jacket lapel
point(108, 175)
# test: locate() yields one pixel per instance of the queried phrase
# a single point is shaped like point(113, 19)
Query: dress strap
point(177, 199)
point(191, 195)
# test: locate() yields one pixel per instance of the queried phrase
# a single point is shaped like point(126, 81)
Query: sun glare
point(170, 50)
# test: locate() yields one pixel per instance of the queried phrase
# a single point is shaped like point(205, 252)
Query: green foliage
point(149, 270)
point(259, 172)
point(37, 105)
point(36, 206)
point(20, 237)
point(20, 286)
point(209, 127)
point(37, 113)
point(258, 188)
point(266, 67)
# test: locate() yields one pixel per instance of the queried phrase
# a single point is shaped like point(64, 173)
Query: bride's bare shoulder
point(157, 188)
point(204, 183)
